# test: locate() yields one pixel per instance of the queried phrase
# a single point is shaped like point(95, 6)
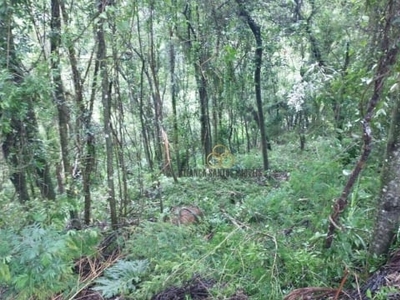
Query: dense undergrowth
point(263, 236)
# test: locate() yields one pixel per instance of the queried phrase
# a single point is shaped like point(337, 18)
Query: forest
point(199, 149)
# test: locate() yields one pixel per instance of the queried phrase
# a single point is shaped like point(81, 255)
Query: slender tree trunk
point(255, 28)
point(58, 92)
point(205, 130)
point(247, 126)
point(106, 101)
point(143, 122)
point(118, 132)
point(175, 138)
point(201, 80)
point(315, 49)
point(60, 99)
point(215, 112)
point(120, 150)
point(143, 126)
point(156, 95)
point(89, 157)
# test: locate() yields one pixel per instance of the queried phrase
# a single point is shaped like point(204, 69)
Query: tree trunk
point(11, 139)
point(118, 132)
point(205, 130)
point(315, 49)
point(388, 216)
point(106, 101)
point(58, 94)
point(143, 122)
point(389, 49)
point(17, 176)
point(156, 95)
point(255, 28)
point(175, 137)
point(85, 118)
point(60, 99)
point(199, 63)
point(143, 125)
point(22, 149)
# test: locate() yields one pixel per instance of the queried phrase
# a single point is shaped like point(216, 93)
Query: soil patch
point(197, 288)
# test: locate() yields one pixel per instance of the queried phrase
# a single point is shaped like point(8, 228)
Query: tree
point(256, 29)
point(388, 219)
point(81, 133)
point(61, 104)
point(194, 40)
point(388, 212)
point(22, 147)
point(106, 87)
point(388, 207)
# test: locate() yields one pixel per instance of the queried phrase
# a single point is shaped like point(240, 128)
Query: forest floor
point(235, 204)
point(226, 193)
point(217, 238)
point(261, 237)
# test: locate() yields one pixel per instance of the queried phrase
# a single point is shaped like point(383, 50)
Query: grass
point(267, 238)
point(260, 236)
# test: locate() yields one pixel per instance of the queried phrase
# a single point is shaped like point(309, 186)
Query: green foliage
point(250, 160)
point(121, 278)
point(38, 262)
point(38, 211)
point(319, 175)
point(263, 236)
point(170, 251)
point(384, 293)
point(232, 256)
point(269, 208)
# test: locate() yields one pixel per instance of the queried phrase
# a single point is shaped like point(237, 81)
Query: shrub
point(38, 262)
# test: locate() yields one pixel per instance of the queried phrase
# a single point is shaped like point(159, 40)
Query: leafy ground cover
point(259, 238)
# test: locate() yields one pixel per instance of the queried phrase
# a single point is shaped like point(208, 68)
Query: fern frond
point(121, 278)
